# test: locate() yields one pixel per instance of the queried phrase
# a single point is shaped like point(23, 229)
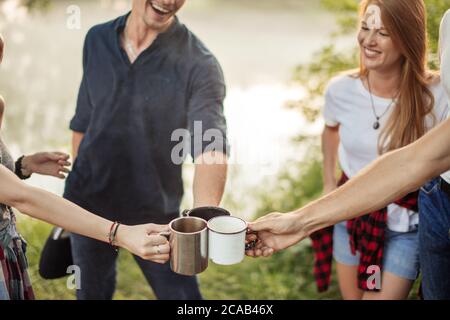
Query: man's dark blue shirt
point(128, 113)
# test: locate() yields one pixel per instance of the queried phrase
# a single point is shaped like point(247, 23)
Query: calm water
point(258, 43)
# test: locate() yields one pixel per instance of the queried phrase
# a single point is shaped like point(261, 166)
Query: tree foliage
point(34, 4)
point(329, 61)
point(301, 182)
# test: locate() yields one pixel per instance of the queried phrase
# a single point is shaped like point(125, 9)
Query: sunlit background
point(277, 57)
point(258, 43)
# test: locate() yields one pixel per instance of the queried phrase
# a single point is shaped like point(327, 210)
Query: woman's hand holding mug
point(145, 241)
point(203, 234)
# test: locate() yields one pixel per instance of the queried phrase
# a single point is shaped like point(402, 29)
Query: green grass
point(286, 275)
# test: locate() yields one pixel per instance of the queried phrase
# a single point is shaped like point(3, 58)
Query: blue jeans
point(97, 263)
point(434, 241)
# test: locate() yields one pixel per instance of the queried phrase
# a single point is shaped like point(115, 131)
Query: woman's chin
point(372, 65)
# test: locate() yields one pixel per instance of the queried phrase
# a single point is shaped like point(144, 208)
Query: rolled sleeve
point(329, 110)
point(82, 117)
point(206, 120)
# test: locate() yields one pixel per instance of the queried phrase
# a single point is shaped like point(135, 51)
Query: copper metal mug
point(188, 241)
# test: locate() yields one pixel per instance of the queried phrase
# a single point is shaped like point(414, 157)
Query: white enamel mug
point(226, 239)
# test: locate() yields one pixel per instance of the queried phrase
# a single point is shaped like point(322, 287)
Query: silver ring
point(158, 250)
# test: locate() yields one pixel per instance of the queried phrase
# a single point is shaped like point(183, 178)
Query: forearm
point(330, 144)
point(386, 180)
point(209, 179)
point(55, 210)
point(48, 207)
point(76, 140)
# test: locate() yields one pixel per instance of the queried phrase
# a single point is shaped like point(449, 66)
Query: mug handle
point(252, 244)
point(185, 213)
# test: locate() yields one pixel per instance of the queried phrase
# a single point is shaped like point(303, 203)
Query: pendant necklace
point(376, 124)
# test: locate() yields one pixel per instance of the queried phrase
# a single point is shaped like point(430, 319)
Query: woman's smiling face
point(378, 51)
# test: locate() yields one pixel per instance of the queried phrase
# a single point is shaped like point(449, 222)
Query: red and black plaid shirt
point(366, 235)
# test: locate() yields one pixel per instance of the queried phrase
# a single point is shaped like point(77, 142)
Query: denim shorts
point(400, 255)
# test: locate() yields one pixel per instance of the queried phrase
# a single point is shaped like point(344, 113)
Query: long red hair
point(406, 22)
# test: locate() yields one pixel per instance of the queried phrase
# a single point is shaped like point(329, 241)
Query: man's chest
point(154, 90)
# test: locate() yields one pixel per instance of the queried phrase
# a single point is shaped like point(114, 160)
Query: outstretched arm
point(384, 181)
point(48, 207)
point(389, 178)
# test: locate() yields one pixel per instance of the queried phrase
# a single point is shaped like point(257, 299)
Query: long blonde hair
point(406, 23)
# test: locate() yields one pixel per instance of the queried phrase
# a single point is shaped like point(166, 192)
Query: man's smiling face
point(157, 14)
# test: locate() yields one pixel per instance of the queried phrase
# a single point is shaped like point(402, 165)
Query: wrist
point(23, 167)
point(303, 221)
point(27, 168)
point(206, 203)
point(121, 236)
